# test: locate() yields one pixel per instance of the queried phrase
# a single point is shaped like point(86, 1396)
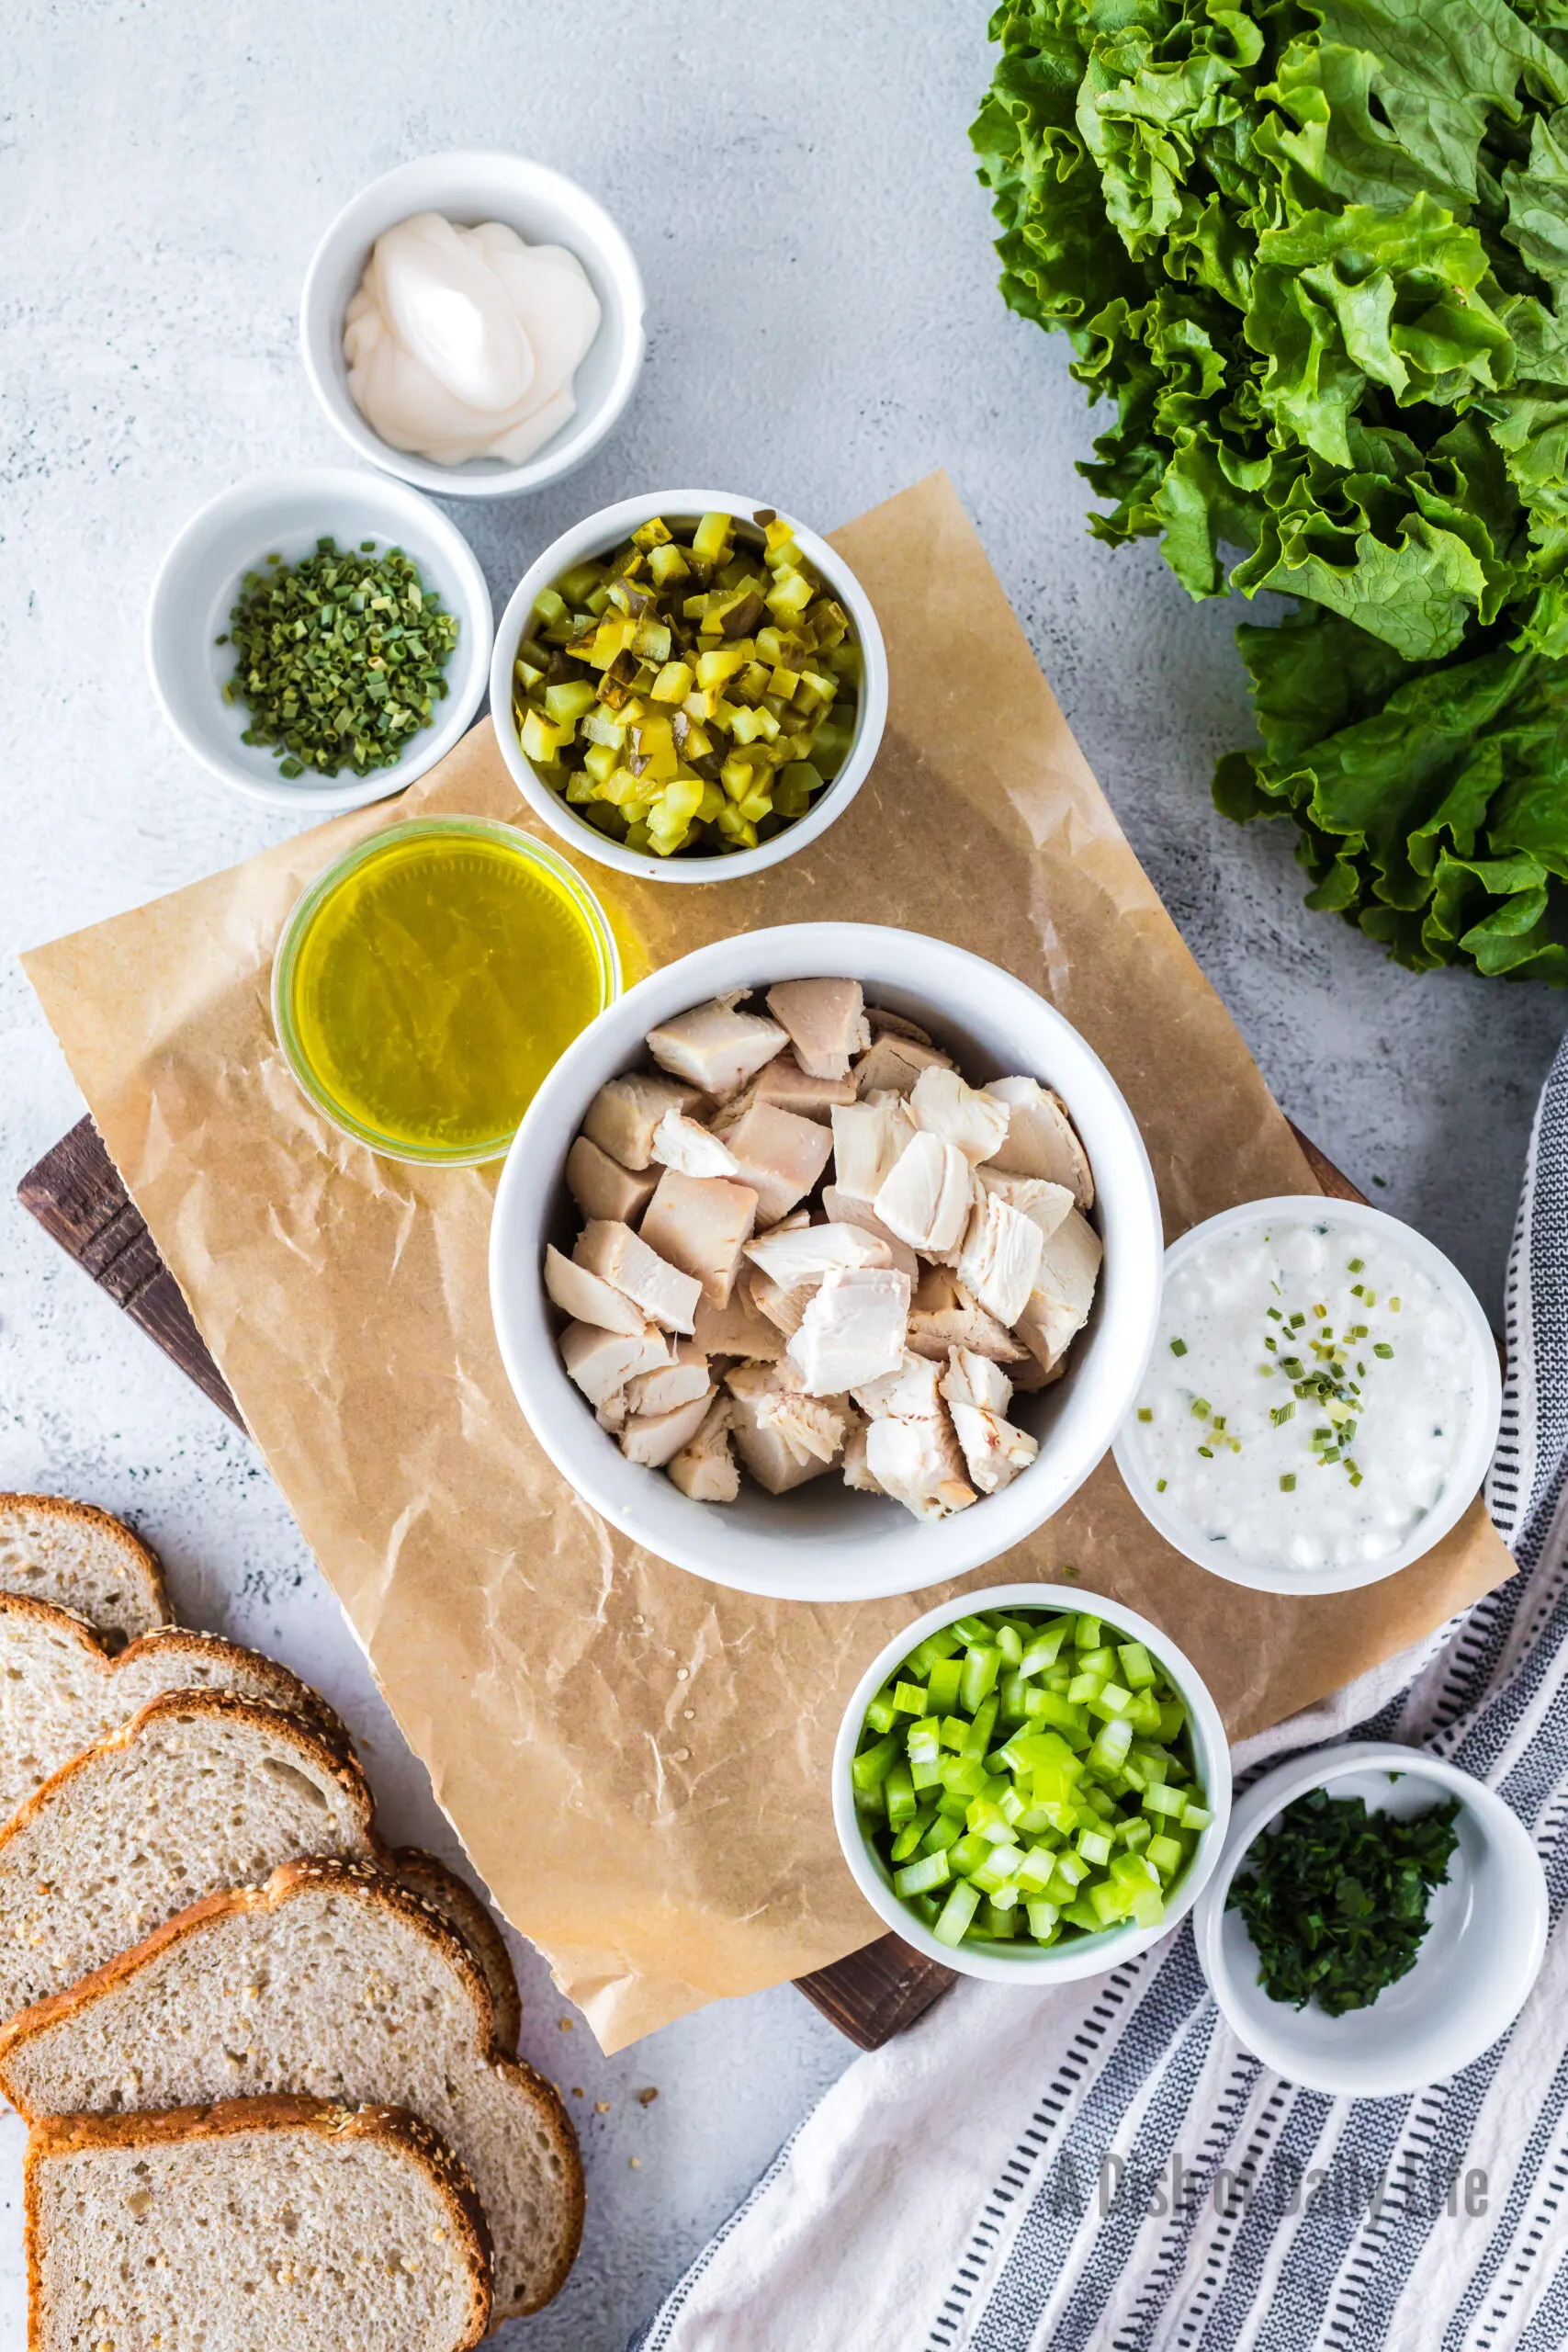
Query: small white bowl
point(285, 513)
point(1481, 1953)
point(1020, 1964)
point(1470, 1468)
point(823, 1541)
point(546, 209)
point(597, 535)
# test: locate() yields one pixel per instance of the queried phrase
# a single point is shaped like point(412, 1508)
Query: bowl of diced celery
point(689, 686)
point(1032, 1784)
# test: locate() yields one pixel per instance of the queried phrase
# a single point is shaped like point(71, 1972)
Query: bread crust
point(456, 1899)
point(354, 1883)
point(62, 2135)
point(142, 1562)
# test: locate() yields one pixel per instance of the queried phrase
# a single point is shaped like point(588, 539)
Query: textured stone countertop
point(824, 330)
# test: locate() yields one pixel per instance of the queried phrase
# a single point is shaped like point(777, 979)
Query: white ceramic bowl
point(1481, 1952)
point(595, 537)
point(824, 1542)
point(1471, 1464)
point(285, 514)
point(545, 208)
point(1019, 1963)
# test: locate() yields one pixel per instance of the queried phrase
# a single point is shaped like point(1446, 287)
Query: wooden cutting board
point(77, 1195)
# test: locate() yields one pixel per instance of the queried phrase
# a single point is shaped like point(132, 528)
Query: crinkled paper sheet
point(637, 1761)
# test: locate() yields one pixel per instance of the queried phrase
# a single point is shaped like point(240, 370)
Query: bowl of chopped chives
point(1032, 1784)
point(319, 637)
point(1376, 1921)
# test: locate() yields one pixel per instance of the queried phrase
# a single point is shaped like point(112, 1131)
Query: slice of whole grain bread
point(81, 1558)
point(337, 1982)
point(469, 1914)
point(61, 1687)
point(201, 1790)
point(260, 2225)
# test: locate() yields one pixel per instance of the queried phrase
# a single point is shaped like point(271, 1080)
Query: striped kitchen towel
point(1105, 2169)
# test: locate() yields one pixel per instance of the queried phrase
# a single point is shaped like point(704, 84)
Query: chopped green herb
point(1160, 1485)
point(338, 658)
point(1358, 1265)
point(1394, 1306)
point(1144, 1413)
point(1274, 1313)
point(1179, 1347)
point(1337, 1901)
point(1280, 1414)
point(1207, 1451)
point(1200, 1408)
point(1288, 1483)
point(1381, 1347)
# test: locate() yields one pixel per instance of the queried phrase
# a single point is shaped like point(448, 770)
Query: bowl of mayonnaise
point(1322, 1398)
point(474, 324)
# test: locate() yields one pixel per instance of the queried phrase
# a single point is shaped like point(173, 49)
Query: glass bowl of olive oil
point(426, 981)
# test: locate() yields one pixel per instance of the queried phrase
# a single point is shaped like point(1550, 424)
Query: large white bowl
point(824, 1542)
point(1471, 1464)
point(596, 536)
point(1481, 1953)
point(545, 208)
point(285, 513)
point(1021, 1963)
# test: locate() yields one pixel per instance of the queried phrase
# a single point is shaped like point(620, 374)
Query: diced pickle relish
point(1027, 1777)
point(690, 692)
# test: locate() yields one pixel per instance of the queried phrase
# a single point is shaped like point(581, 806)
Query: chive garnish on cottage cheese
point(1311, 1395)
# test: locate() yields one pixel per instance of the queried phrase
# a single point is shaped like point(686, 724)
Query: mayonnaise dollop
point(463, 343)
point(1311, 1392)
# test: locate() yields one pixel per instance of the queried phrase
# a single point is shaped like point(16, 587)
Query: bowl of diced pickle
point(689, 686)
point(1032, 1784)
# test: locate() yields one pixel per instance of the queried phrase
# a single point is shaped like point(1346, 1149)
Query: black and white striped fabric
point(1105, 2169)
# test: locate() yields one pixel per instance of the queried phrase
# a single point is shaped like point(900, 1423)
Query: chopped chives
point(1160, 1486)
point(1207, 1451)
point(1288, 1483)
point(1358, 1265)
point(1200, 1409)
point(1381, 1347)
point(1179, 1347)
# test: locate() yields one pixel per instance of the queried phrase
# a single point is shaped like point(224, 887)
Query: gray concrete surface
point(824, 330)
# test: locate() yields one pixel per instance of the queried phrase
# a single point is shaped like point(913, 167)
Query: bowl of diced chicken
point(826, 1261)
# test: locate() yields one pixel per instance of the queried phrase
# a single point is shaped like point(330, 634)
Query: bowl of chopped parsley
point(1376, 1921)
point(319, 637)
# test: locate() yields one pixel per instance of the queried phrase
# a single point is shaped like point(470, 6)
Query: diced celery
point(1042, 1651)
point(1086, 1634)
point(978, 1737)
point(1042, 1922)
point(1169, 1802)
point(1083, 1688)
point(1095, 1847)
point(1111, 1748)
point(942, 1686)
point(956, 1912)
point(1083, 1914)
point(1172, 1719)
point(1195, 1817)
point(1037, 1868)
point(909, 1837)
point(995, 1921)
point(955, 1732)
point(1165, 1854)
point(953, 1804)
point(981, 1664)
point(998, 1867)
point(1012, 1806)
point(1112, 1701)
point(1110, 1902)
point(942, 1836)
point(1102, 1660)
point(910, 1699)
point(970, 1852)
point(1134, 1834)
point(872, 1765)
point(921, 1877)
point(931, 1652)
point(973, 1631)
point(1012, 1694)
point(1009, 1644)
point(1137, 1666)
point(882, 1715)
point(898, 1795)
point(1054, 1708)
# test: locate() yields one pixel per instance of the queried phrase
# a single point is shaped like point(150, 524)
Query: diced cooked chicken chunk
point(1001, 1257)
point(852, 1329)
point(802, 1254)
point(654, 1440)
point(826, 1020)
point(878, 1018)
point(894, 1064)
point(857, 1469)
point(911, 1448)
point(783, 1082)
point(926, 1199)
point(666, 1296)
point(689, 1149)
point(841, 1209)
point(601, 1187)
point(1064, 1290)
point(780, 1156)
point(784, 1309)
point(624, 1114)
point(941, 1104)
point(602, 1363)
point(1041, 1139)
point(705, 1468)
point(775, 1460)
point(869, 1139)
point(715, 1046)
point(701, 1224)
point(670, 1385)
point(586, 1298)
point(737, 1328)
point(1035, 1197)
point(978, 1393)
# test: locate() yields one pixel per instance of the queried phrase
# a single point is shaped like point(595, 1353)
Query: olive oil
point(438, 976)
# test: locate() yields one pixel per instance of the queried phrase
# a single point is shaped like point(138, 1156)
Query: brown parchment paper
point(637, 1761)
